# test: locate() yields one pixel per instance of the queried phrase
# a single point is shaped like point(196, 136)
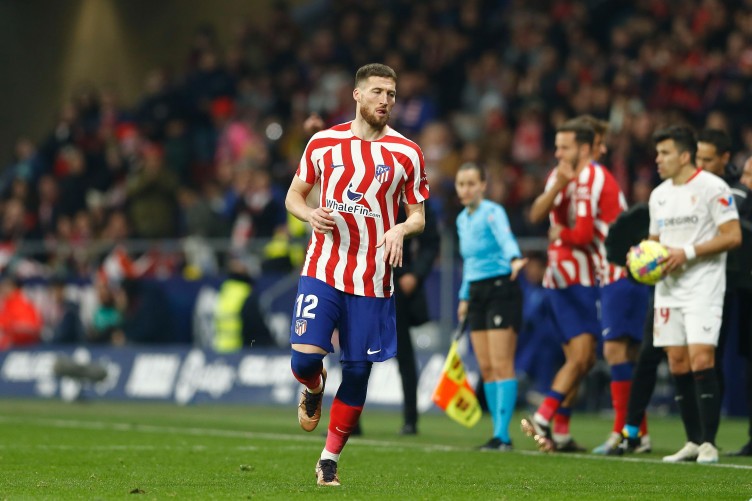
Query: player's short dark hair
point(583, 132)
point(683, 137)
point(473, 166)
point(374, 70)
point(717, 138)
point(600, 127)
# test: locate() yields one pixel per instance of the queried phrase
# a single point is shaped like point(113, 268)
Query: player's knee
point(615, 353)
point(486, 371)
point(354, 385)
point(701, 361)
point(678, 363)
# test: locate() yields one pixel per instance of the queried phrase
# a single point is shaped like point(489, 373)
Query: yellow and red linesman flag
point(453, 393)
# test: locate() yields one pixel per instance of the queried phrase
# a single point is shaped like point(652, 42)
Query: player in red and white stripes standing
point(364, 169)
point(570, 199)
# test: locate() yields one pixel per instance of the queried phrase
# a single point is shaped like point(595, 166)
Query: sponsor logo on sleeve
point(727, 201)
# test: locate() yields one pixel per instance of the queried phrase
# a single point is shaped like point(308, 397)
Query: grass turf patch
point(105, 450)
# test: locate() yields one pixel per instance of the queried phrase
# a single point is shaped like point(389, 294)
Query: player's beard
point(374, 120)
point(576, 161)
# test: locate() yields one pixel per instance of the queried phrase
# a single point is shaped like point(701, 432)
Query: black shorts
point(495, 303)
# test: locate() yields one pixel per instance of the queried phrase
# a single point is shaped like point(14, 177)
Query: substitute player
point(490, 296)
point(623, 303)
point(693, 214)
point(365, 169)
point(570, 200)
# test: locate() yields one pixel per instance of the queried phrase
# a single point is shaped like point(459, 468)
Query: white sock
point(325, 454)
point(562, 438)
point(540, 419)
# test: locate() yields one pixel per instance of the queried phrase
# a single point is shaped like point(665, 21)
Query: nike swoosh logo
point(336, 166)
point(341, 431)
point(368, 351)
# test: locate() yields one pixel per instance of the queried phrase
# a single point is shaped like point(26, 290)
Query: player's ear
point(356, 94)
point(685, 157)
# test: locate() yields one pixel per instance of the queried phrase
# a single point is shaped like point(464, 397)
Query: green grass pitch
point(104, 450)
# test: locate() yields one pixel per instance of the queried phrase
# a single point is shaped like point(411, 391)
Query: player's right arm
point(562, 174)
point(319, 218)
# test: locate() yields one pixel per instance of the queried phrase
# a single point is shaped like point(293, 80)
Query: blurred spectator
point(70, 169)
point(238, 321)
point(20, 321)
point(152, 196)
point(107, 322)
point(65, 322)
point(259, 211)
point(144, 304)
point(13, 223)
point(47, 210)
point(26, 165)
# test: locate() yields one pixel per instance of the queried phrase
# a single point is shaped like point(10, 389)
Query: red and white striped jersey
point(612, 203)
point(585, 208)
point(363, 182)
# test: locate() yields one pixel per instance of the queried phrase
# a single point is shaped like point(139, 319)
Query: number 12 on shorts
point(310, 301)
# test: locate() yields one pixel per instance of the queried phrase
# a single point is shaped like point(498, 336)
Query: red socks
point(342, 421)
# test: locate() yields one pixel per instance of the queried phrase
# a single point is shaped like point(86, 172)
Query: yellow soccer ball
point(646, 262)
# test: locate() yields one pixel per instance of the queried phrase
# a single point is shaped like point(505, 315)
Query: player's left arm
point(729, 237)
point(393, 239)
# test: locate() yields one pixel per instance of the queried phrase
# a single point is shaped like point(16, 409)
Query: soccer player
point(713, 155)
point(364, 169)
point(570, 200)
point(409, 299)
point(745, 297)
point(693, 214)
point(490, 296)
point(623, 303)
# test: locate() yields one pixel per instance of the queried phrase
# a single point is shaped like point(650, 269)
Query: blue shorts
point(575, 311)
point(624, 306)
point(367, 325)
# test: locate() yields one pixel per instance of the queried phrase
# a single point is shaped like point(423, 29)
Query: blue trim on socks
point(556, 395)
point(622, 372)
point(564, 411)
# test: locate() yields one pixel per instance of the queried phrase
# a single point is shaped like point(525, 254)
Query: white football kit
point(689, 301)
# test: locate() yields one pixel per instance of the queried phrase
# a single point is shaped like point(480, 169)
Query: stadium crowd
point(211, 145)
point(213, 141)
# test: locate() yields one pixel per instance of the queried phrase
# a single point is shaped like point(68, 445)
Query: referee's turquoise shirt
point(487, 245)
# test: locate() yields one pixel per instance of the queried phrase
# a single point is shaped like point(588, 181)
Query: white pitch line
point(632, 459)
point(392, 445)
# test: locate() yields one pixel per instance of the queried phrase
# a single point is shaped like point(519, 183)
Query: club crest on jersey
point(351, 195)
point(300, 326)
point(382, 173)
point(727, 201)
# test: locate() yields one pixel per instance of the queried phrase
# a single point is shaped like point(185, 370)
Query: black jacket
point(630, 228)
point(739, 260)
point(418, 258)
